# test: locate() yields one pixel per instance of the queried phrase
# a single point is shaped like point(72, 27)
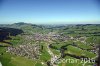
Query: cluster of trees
point(5, 33)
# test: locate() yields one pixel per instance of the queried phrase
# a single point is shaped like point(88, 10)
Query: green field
point(72, 41)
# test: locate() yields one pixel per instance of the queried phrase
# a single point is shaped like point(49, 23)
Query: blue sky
point(50, 11)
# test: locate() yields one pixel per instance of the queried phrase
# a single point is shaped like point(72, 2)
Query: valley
point(23, 44)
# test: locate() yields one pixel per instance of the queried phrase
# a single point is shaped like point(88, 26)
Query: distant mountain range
point(22, 24)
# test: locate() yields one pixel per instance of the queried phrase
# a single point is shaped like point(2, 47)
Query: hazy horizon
point(50, 11)
point(53, 23)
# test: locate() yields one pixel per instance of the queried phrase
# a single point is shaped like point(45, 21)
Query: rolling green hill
point(54, 43)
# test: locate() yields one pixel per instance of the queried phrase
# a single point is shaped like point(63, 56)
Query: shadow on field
point(5, 33)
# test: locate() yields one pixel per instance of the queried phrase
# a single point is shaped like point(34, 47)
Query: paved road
point(54, 58)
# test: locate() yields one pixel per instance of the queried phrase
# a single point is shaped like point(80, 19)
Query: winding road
point(54, 58)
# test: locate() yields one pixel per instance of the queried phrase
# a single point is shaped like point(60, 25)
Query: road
point(54, 58)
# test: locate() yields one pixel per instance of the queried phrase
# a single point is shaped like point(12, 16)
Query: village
point(32, 50)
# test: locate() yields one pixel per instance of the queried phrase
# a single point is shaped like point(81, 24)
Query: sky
point(50, 11)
